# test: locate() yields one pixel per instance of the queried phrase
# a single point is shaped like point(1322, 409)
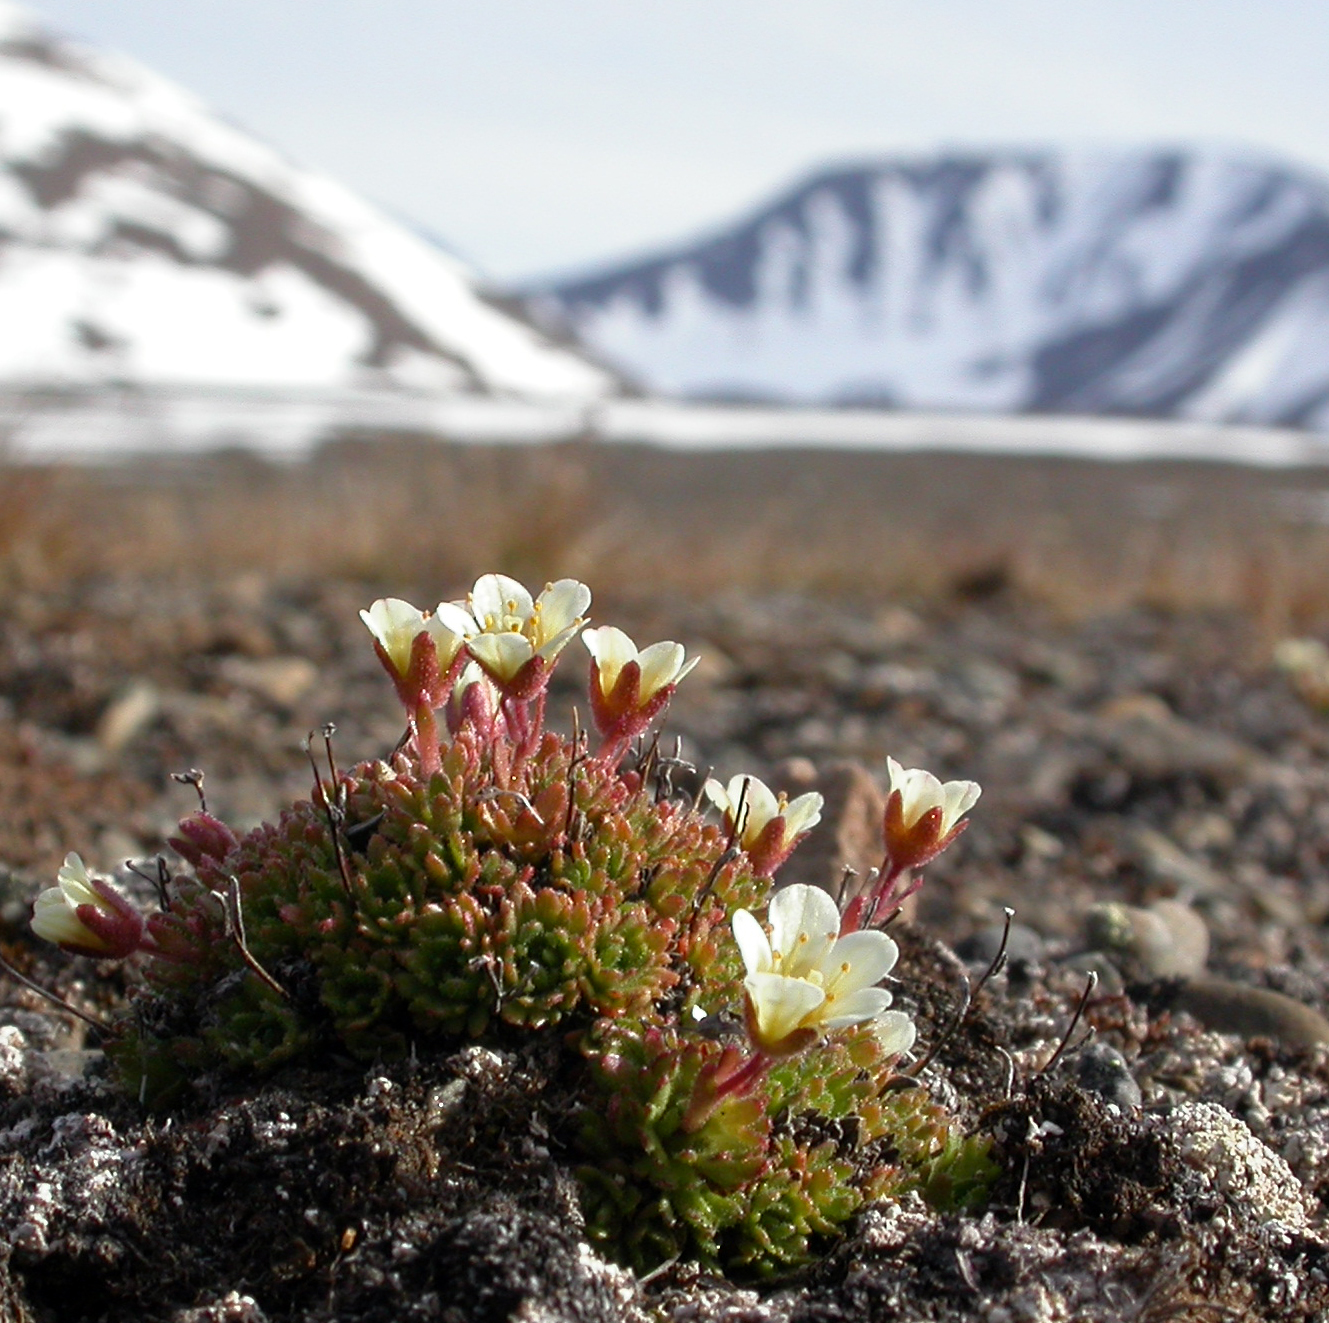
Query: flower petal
point(395, 624)
point(896, 1032)
point(719, 796)
point(612, 650)
point(865, 1004)
point(858, 960)
point(804, 926)
point(960, 797)
point(562, 605)
point(502, 655)
point(759, 806)
point(802, 814)
point(500, 603)
point(781, 1004)
point(660, 664)
point(752, 943)
point(455, 616)
point(54, 920)
point(551, 647)
point(75, 882)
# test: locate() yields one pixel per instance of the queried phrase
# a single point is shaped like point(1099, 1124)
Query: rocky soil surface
point(1155, 810)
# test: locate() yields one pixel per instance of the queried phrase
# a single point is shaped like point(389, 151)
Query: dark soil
point(1129, 759)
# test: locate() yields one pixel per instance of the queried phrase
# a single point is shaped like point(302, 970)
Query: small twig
point(194, 778)
point(658, 1271)
point(1024, 1182)
point(160, 882)
point(54, 998)
point(329, 730)
point(235, 930)
point(999, 960)
point(580, 752)
point(717, 868)
point(1089, 985)
point(740, 818)
point(333, 812)
point(701, 790)
point(956, 1020)
point(1010, 1071)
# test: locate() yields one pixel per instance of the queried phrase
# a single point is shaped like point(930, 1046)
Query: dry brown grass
point(1082, 537)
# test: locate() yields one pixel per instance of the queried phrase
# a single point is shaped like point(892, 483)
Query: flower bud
point(923, 815)
point(418, 649)
point(203, 837)
point(85, 915)
point(767, 827)
point(630, 688)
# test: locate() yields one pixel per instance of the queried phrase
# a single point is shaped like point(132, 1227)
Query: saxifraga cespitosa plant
point(503, 879)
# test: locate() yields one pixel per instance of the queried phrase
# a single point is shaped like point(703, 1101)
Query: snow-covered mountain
point(144, 241)
point(1188, 284)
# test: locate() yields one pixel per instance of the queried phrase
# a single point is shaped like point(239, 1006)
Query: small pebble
point(1101, 1069)
point(1110, 981)
point(1239, 1008)
point(1166, 940)
point(1024, 946)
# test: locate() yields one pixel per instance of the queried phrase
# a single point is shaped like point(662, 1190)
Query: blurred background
point(798, 330)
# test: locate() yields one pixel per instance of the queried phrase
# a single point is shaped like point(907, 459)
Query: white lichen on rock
point(1249, 1175)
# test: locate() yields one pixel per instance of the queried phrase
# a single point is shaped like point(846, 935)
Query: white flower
point(761, 807)
point(660, 664)
point(805, 979)
point(113, 926)
point(920, 791)
point(396, 624)
point(514, 629)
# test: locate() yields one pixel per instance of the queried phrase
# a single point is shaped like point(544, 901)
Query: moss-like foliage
point(758, 1178)
point(442, 907)
point(508, 882)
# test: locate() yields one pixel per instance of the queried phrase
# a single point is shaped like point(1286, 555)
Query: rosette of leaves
point(547, 890)
point(760, 1181)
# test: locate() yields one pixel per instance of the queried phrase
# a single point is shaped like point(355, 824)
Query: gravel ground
point(1155, 809)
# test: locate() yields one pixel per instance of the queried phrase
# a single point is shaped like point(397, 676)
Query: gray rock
point(1239, 1008)
point(1110, 981)
point(1148, 740)
point(1166, 940)
point(1101, 1069)
point(981, 947)
point(1164, 862)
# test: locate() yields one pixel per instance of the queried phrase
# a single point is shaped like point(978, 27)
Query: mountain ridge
point(144, 239)
point(1167, 282)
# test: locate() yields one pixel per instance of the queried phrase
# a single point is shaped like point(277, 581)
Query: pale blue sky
point(535, 135)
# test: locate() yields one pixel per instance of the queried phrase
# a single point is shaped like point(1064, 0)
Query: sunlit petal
point(395, 624)
point(802, 814)
point(804, 925)
point(562, 605)
point(502, 655)
point(960, 797)
point(895, 1031)
point(865, 1004)
point(500, 603)
point(752, 943)
point(858, 960)
point(782, 1004)
point(661, 664)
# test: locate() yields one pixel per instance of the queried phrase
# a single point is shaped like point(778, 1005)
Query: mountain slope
point(1157, 283)
point(145, 241)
